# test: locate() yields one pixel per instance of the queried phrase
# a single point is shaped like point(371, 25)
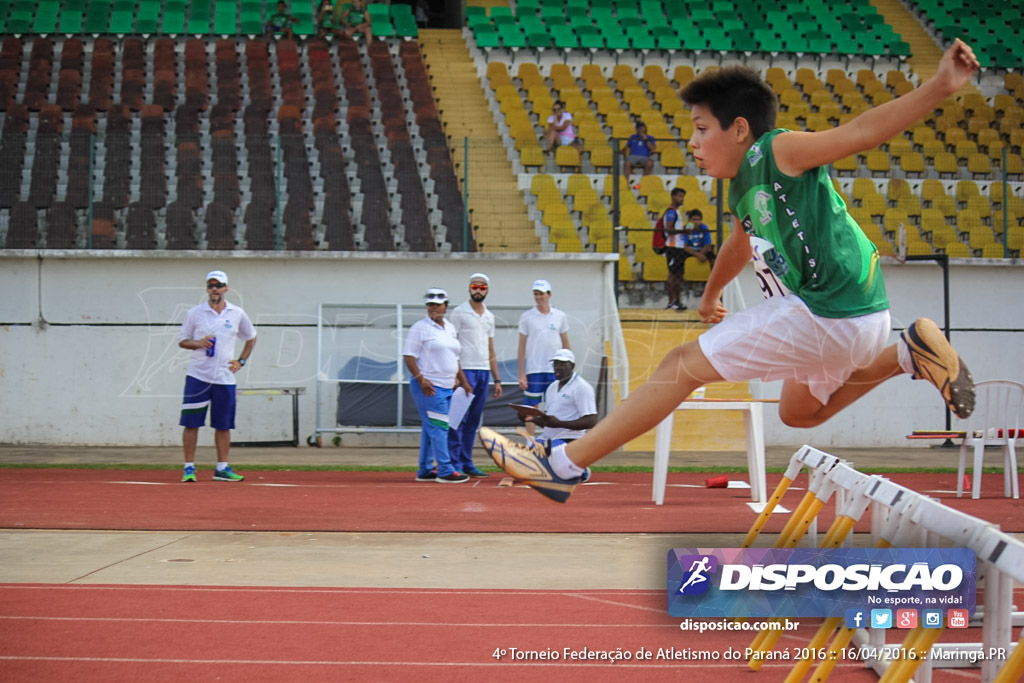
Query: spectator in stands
point(826, 336)
point(431, 355)
point(697, 238)
point(355, 19)
point(560, 130)
point(474, 325)
point(327, 21)
point(209, 331)
point(542, 330)
point(281, 22)
point(640, 146)
point(673, 225)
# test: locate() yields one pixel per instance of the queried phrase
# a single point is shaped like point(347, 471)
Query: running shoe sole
point(235, 478)
point(526, 464)
point(935, 360)
point(188, 477)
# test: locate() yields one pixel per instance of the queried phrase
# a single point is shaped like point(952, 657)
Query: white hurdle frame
point(906, 518)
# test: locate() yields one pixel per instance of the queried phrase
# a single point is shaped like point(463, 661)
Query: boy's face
point(719, 152)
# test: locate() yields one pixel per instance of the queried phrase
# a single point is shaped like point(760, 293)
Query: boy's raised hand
point(957, 66)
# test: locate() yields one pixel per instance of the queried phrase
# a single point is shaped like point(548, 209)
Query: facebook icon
point(856, 618)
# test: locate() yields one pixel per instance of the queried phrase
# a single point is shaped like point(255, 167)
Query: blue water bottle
point(213, 345)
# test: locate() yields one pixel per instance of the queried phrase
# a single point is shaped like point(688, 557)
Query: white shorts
point(781, 339)
point(566, 138)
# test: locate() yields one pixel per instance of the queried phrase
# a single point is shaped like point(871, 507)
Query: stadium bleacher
point(147, 124)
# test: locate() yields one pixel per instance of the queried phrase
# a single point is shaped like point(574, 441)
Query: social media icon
point(856, 618)
point(906, 618)
point(956, 618)
point(881, 618)
point(931, 618)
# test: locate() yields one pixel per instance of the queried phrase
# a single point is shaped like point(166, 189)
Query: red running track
point(392, 501)
point(173, 633)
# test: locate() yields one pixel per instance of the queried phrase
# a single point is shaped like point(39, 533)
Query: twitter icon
point(881, 618)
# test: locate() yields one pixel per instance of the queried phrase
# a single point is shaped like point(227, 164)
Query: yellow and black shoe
point(528, 464)
point(935, 360)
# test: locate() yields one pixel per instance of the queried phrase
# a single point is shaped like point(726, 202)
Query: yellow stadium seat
point(532, 155)
point(542, 182)
point(649, 184)
point(657, 202)
point(953, 135)
point(691, 186)
point(992, 250)
point(965, 189)
point(567, 157)
point(602, 157)
point(561, 76)
point(912, 163)
point(625, 269)
point(877, 162)
point(695, 270)
point(958, 250)
point(684, 123)
point(655, 76)
point(634, 216)
point(945, 164)
point(673, 157)
point(898, 189)
point(529, 75)
point(846, 165)
point(683, 74)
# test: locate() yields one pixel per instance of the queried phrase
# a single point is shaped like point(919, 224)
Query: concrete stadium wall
point(88, 353)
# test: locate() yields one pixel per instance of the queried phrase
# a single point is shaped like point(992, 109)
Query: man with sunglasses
point(209, 331)
point(474, 325)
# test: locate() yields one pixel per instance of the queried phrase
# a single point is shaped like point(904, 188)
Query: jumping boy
point(824, 330)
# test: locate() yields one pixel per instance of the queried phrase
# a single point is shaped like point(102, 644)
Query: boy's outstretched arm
point(797, 152)
point(732, 259)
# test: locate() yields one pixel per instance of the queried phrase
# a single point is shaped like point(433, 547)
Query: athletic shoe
point(475, 472)
point(528, 464)
point(936, 361)
point(189, 475)
point(453, 478)
point(585, 477)
point(429, 476)
point(227, 474)
point(680, 307)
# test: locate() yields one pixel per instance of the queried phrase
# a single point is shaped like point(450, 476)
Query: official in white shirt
point(474, 325)
point(209, 331)
point(431, 355)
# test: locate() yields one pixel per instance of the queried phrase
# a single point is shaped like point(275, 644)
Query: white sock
point(562, 465)
point(222, 466)
point(903, 356)
point(190, 466)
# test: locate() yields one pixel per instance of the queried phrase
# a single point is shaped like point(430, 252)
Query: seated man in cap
point(570, 405)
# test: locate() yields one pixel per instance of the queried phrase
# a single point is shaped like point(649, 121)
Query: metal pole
point(92, 157)
point(1006, 197)
point(616, 161)
point(465, 194)
point(277, 212)
point(400, 364)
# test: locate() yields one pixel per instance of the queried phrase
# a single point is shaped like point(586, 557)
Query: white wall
point(88, 352)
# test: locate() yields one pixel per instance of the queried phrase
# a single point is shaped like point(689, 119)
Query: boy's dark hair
point(696, 213)
point(732, 92)
point(676, 190)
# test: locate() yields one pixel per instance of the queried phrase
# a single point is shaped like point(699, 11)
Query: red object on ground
point(721, 482)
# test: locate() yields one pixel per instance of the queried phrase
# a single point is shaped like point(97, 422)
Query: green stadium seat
point(173, 21)
point(70, 21)
point(591, 38)
point(382, 28)
point(511, 36)
point(122, 21)
point(46, 17)
point(97, 17)
point(225, 22)
point(486, 37)
point(250, 22)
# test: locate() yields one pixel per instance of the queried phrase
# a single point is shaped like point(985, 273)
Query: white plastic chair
point(995, 422)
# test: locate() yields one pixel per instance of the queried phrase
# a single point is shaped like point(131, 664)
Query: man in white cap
point(570, 404)
point(209, 331)
point(474, 325)
point(542, 330)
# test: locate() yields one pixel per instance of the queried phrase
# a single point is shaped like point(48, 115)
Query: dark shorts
point(536, 384)
point(675, 258)
point(200, 395)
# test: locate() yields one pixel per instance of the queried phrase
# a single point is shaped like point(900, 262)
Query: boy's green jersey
point(820, 253)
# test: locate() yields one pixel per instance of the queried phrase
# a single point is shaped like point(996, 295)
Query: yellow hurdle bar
point(1013, 669)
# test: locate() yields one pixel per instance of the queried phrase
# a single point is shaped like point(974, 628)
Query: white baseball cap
point(565, 355)
point(218, 275)
point(479, 276)
point(542, 286)
point(436, 295)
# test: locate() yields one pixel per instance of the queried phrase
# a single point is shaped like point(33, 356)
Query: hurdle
point(901, 517)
